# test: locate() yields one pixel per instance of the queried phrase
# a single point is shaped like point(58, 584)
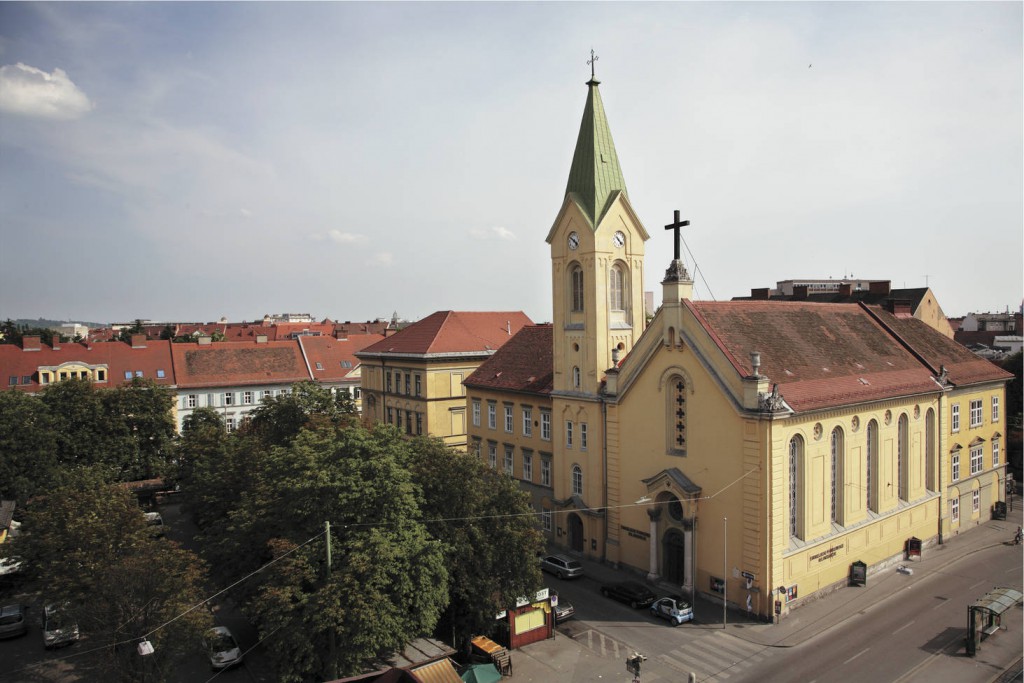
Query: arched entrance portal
point(575, 532)
point(673, 552)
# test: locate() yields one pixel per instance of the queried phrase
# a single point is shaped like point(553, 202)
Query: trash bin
point(999, 510)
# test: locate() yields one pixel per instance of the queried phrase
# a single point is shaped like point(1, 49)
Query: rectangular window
point(398, 414)
point(408, 384)
point(508, 419)
point(387, 382)
point(583, 436)
point(492, 455)
point(230, 424)
point(476, 412)
point(527, 422)
point(138, 373)
point(127, 375)
point(391, 415)
point(977, 459)
point(545, 519)
point(976, 501)
point(418, 390)
point(191, 401)
point(545, 472)
point(267, 393)
point(954, 417)
point(508, 459)
point(319, 365)
point(527, 466)
point(27, 379)
point(954, 473)
point(229, 398)
point(995, 452)
point(568, 433)
point(545, 425)
point(995, 409)
point(419, 423)
point(63, 376)
point(160, 374)
point(101, 375)
point(44, 378)
point(12, 380)
point(492, 415)
point(408, 422)
point(976, 413)
point(247, 398)
point(954, 510)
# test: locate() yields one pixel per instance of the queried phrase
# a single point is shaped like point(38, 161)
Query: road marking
point(902, 627)
point(975, 584)
point(856, 655)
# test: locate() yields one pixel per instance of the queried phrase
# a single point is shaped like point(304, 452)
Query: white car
point(59, 627)
point(222, 648)
point(674, 608)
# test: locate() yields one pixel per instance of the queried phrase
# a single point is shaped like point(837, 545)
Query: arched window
point(838, 464)
point(902, 457)
point(577, 480)
point(929, 449)
point(676, 391)
point(872, 453)
point(796, 447)
point(575, 377)
point(576, 283)
point(616, 288)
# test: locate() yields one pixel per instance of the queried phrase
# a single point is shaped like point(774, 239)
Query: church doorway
point(673, 552)
point(575, 532)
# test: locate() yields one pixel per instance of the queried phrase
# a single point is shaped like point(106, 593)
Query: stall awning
point(998, 600)
point(438, 672)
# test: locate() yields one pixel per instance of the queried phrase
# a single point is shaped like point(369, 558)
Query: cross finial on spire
point(593, 58)
point(675, 225)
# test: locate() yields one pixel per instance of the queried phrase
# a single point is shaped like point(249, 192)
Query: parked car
point(155, 523)
point(13, 621)
point(563, 608)
point(59, 627)
point(562, 567)
point(222, 648)
point(674, 608)
point(630, 592)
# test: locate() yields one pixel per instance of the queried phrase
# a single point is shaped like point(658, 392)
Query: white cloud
point(384, 258)
point(32, 92)
point(495, 232)
point(345, 237)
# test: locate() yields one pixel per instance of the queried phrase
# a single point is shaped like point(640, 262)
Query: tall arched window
point(616, 288)
point(676, 392)
point(576, 283)
point(872, 452)
point(929, 449)
point(796, 447)
point(902, 457)
point(575, 377)
point(577, 480)
point(838, 458)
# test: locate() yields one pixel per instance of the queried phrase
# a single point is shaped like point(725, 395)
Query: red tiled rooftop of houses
point(333, 354)
point(238, 363)
point(447, 332)
point(524, 363)
point(123, 362)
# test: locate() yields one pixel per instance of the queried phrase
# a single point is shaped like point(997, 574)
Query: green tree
point(28, 446)
point(89, 545)
point(387, 584)
point(125, 335)
point(490, 534)
point(12, 333)
point(279, 418)
point(141, 426)
point(80, 425)
point(167, 332)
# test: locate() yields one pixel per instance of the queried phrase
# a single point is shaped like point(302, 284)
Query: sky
point(192, 161)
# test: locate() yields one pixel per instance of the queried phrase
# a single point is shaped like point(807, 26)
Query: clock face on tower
point(618, 239)
point(574, 240)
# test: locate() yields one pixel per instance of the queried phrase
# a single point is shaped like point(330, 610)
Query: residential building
point(332, 362)
point(413, 379)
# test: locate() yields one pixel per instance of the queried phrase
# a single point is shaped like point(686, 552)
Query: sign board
point(858, 573)
point(913, 547)
point(778, 606)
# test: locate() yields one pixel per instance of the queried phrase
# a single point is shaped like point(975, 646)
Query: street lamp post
point(725, 567)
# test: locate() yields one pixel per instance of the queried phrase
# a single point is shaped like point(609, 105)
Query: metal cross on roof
point(593, 58)
point(675, 225)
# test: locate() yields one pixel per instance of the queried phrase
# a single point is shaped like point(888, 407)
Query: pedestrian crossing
point(712, 656)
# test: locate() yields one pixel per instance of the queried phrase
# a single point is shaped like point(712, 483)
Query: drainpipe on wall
point(604, 466)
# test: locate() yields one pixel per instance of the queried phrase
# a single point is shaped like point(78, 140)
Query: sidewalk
point(571, 661)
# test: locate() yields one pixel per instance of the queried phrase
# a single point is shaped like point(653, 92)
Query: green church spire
point(594, 177)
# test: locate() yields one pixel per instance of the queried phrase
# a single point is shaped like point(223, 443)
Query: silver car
point(222, 648)
point(562, 567)
point(59, 627)
point(13, 621)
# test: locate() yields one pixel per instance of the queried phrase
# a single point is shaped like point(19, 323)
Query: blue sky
point(187, 161)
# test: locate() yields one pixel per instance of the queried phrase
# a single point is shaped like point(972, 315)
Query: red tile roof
point(333, 354)
point(524, 364)
point(452, 332)
point(249, 332)
point(820, 355)
point(120, 358)
point(238, 363)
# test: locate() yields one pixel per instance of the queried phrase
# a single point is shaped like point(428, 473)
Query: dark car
point(13, 621)
point(563, 608)
point(674, 608)
point(630, 592)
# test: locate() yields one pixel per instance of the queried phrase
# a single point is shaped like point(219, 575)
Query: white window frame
point(545, 425)
point(954, 418)
point(192, 400)
point(527, 421)
point(954, 469)
point(229, 424)
point(976, 501)
point(954, 510)
point(545, 520)
point(492, 415)
point(476, 412)
point(995, 409)
point(977, 406)
point(229, 398)
point(568, 433)
point(527, 466)
point(583, 436)
point(247, 398)
point(492, 455)
point(995, 452)
point(509, 459)
point(545, 472)
point(577, 480)
point(977, 459)
point(508, 419)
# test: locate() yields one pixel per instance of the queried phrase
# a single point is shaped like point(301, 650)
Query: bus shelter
point(984, 615)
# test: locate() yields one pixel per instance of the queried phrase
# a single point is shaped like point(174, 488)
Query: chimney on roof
point(799, 292)
point(138, 341)
point(899, 308)
point(508, 327)
point(30, 342)
point(846, 289)
point(55, 344)
point(261, 339)
point(879, 286)
point(759, 294)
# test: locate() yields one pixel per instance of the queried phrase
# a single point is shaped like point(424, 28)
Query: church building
point(750, 451)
